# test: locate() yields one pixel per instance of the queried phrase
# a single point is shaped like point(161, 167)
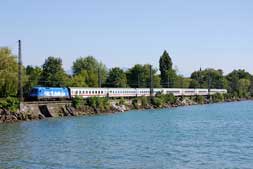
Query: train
point(63, 93)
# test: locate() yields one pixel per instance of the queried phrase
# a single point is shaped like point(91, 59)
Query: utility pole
point(20, 86)
point(151, 81)
point(209, 84)
point(138, 77)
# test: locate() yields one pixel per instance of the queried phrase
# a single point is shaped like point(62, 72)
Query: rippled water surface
point(209, 136)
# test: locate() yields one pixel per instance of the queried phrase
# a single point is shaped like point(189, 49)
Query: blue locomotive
point(63, 93)
point(49, 93)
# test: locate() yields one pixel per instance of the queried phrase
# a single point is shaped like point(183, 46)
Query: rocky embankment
point(37, 112)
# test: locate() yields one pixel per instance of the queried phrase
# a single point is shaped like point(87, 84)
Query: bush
point(10, 103)
point(200, 99)
point(122, 101)
point(156, 101)
point(135, 103)
point(217, 98)
point(144, 101)
point(167, 98)
point(102, 103)
point(92, 102)
point(228, 96)
point(78, 102)
point(98, 103)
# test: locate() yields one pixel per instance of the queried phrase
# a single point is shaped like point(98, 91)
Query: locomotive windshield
point(34, 91)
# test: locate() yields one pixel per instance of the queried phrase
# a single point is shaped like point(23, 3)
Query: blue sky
point(196, 33)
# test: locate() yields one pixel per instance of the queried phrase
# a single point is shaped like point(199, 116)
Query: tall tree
point(93, 69)
point(208, 78)
point(53, 73)
point(139, 76)
point(116, 78)
point(251, 86)
point(182, 82)
point(236, 84)
point(33, 75)
point(168, 75)
point(79, 80)
point(244, 87)
point(8, 73)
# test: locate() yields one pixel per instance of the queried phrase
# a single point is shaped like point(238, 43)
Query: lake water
point(208, 136)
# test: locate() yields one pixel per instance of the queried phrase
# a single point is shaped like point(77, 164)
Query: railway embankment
point(79, 107)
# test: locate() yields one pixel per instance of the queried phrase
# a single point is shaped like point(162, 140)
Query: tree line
point(89, 72)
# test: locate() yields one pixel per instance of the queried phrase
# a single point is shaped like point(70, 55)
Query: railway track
point(48, 102)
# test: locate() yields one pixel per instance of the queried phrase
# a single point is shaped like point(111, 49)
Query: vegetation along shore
point(88, 72)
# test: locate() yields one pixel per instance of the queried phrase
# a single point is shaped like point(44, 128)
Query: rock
point(121, 108)
point(14, 118)
point(41, 116)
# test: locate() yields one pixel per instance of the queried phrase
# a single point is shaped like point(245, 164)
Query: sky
point(196, 33)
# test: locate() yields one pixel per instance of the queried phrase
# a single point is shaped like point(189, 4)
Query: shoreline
point(30, 114)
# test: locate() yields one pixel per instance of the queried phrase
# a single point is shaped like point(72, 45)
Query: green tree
point(194, 84)
point(8, 73)
point(234, 84)
point(79, 80)
point(33, 77)
point(168, 75)
point(251, 86)
point(244, 87)
point(208, 78)
point(139, 76)
point(53, 73)
point(116, 78)
point(182, 82)
point(92, 67)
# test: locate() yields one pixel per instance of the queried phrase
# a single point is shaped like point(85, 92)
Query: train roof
point(43, 87)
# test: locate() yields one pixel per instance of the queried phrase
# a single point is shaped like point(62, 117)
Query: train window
point(96, 92)
point(86, 91)
point(76, 92)
point(102, 92)
point(93, 92)
point(89, 92)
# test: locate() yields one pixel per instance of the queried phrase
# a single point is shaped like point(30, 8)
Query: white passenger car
point(138, 92)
